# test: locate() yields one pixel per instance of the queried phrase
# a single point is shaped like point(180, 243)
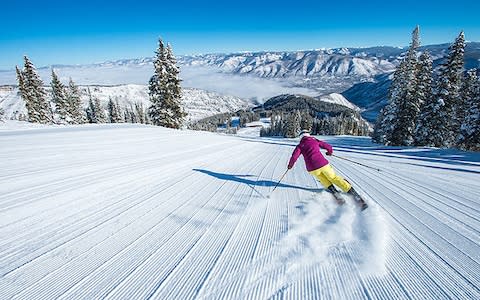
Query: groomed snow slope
point(134, 212)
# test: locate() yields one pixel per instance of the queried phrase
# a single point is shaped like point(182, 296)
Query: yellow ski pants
point(326, 175)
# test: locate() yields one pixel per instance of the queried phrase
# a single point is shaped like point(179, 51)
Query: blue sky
point(77, 32)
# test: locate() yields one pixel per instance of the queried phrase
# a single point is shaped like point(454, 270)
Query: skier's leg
point(328, 172)
point(320, 177)
point(327, 184)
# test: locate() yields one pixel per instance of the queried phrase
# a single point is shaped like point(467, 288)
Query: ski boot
point(336, 194)
point(363, 205)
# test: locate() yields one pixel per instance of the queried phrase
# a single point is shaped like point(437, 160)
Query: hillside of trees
point(427, 108)
point(289, 114)
point(60, 103)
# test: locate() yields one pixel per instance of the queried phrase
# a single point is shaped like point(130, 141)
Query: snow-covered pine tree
point(384, 126)
point(140, 112)
point(148, 121)
point(425, 96)
point(114, 113)
point(157, 86)
point(99, 111)
point(132, 115)
point(164, 90)
point(119, 112)
point(407, 101)
point(23, 90)
point(75, 103)
point(447, 93)
point(174, 88)
point(90, 110)
point(34, 94)
point(467, 93)
point(292, 126)
point(129, 115)
point(95, 111)
point(306, 121)
point(60, 100)
point(469, 138)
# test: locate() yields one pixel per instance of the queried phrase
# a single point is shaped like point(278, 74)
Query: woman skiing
point(319, 167)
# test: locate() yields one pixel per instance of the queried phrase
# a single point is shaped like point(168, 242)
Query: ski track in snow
point(137, 212)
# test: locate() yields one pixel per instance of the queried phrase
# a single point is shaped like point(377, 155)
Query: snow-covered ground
point(134, 212)
point(338, 99)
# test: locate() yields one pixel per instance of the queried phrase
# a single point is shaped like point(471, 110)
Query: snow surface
point(132, 212)
point(338, 99)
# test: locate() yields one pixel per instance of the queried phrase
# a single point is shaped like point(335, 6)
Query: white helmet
point(304, 132)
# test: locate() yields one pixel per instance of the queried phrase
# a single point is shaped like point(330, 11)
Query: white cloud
point(243, 86)
point(201, 77)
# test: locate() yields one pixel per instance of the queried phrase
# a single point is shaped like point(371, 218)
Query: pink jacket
point(309, 147)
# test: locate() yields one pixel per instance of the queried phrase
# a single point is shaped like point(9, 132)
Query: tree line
point(64, 105)
point(289, 124)
point(432, 107)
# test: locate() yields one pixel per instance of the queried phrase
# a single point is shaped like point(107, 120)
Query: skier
point(319, 167)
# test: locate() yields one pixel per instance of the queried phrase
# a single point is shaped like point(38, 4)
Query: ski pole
point(279, 180)
point(356, 162)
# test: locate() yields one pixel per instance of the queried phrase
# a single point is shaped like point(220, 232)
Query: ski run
point(136, 212)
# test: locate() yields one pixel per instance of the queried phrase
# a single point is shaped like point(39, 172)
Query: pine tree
point(407, 101)
point(60, 100)
point(34, 94)
point(99, 111)
point(90, 111)
point(140, 112)
point(306, 121)
point(164, 90)
point(75, 104)
point(174, 89)
point(425, 96)
point(383, 129)
point(23, 90)
point(469, 138)
point(448, 94)
point(386, 121)
point(292, 126)
point(95, 112)
point(467, 93)
point(114, 112)
point(131, 115)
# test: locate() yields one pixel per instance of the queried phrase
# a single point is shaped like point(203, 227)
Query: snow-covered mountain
point(338, 99)
point(198, 103)
point(301, 63)
point(258, 76)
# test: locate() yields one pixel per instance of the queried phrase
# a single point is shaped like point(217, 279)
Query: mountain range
point(361, 75)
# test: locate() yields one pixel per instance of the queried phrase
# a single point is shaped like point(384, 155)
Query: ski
point(339, 199)
point(358, 199)
point(336, 195)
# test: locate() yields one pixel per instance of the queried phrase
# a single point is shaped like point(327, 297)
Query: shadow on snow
point(252, 182)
